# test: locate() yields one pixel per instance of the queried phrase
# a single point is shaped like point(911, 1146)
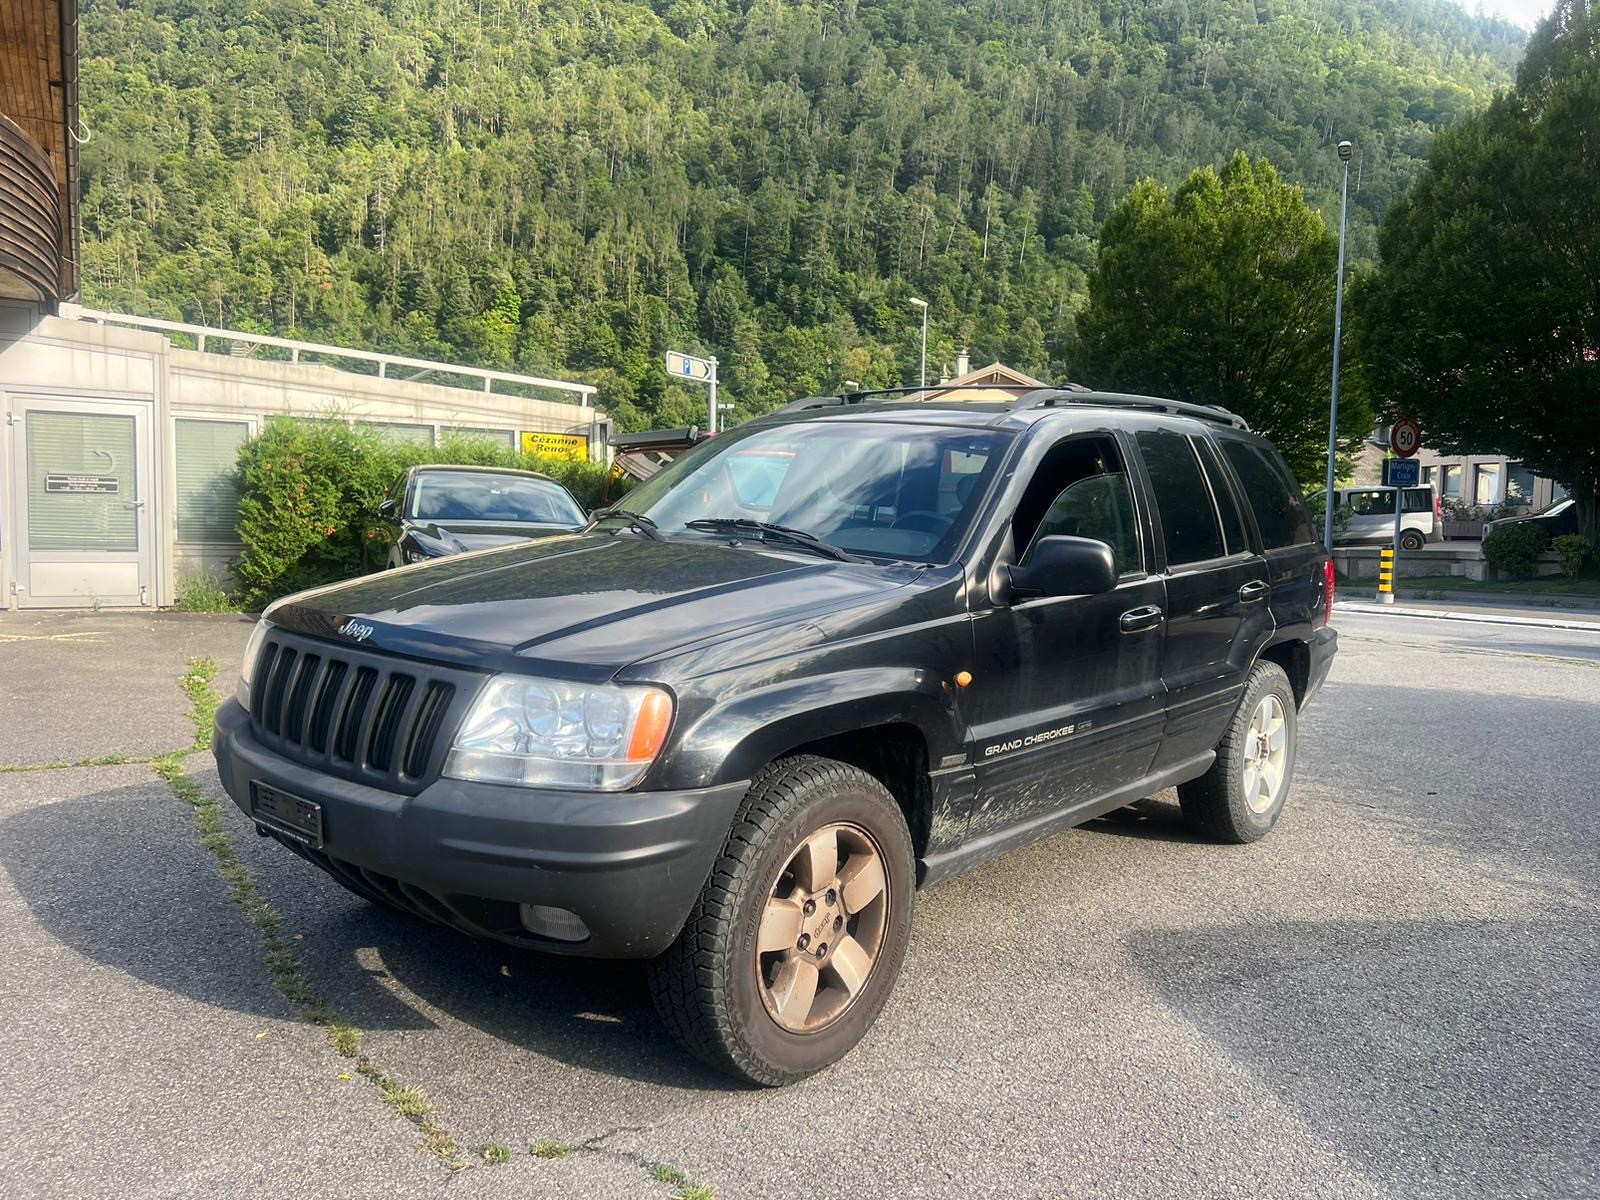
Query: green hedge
point(1514, 549)
point(310, 490)
point(1573, 549)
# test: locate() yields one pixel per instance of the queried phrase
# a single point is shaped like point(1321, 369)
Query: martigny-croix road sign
point(701, 370)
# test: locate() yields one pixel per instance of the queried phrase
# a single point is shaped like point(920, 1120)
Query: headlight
point(415, 556)
point(247, 669)
point(546, 733)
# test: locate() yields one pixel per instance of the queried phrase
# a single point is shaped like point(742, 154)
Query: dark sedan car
point(1556, 519)
point(436, 511)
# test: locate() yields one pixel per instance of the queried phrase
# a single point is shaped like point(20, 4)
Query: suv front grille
point(369, 717)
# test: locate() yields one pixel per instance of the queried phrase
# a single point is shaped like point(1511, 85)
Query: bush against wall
point(1514, 549)
point(310, 490)
point(1573, 549)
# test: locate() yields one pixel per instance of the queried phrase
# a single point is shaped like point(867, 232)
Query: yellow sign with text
point(572, 447)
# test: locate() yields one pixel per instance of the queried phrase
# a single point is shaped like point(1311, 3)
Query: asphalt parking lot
point(1394, 995)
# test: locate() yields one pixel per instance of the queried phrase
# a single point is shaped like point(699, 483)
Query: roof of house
point(1004, 379)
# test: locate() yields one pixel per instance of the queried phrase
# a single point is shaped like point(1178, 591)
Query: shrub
point(310, 490)
point(1513, 549)
point(1573, 549)
point(204, 591)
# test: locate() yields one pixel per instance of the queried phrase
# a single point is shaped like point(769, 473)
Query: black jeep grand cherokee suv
point(819, 662)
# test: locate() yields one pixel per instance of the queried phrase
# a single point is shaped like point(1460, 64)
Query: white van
point(1369, 516)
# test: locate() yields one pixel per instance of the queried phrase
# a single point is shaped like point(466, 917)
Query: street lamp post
point(1338, 329)
point(923, 305)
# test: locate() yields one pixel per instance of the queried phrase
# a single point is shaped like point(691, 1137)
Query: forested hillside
point(573, 185)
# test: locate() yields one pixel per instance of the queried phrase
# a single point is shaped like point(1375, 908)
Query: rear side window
point(1188, 518)
point(1227, 507)
point(1419, 500)
point(1274, 495)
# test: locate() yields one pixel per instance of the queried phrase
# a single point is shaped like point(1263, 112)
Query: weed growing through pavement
point(111, 760)
point(408, 1101)
point(413, 1104)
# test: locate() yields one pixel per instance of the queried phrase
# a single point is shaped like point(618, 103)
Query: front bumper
point(1324, 644)
point(629, 864)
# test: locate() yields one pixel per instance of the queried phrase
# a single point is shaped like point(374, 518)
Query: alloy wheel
point(1266, 755)
point(823, 928)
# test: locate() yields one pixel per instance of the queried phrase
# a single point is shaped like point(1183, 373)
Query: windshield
point(464, 496)
point(880, 489)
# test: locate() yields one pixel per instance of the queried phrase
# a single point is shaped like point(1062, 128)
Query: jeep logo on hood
point(356, 631)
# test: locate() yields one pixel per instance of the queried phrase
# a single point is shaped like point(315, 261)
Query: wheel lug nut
point(822, 949)
point(811, 907)
point(805, 940)
point(833, 897)
point(838, 923)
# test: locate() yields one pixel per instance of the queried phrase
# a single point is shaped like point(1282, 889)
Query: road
point(1394, 995)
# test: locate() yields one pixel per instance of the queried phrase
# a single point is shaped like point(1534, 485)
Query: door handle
point(1137, 619)
point(136, 504)
point(1256, 589)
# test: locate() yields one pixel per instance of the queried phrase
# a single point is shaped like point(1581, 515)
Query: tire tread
point(690, 979)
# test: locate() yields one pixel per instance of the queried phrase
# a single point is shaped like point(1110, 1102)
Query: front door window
point(82, 482)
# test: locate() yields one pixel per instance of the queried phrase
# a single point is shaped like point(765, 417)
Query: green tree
point(1222, 293)
point(1484, 318)
point(564, 188)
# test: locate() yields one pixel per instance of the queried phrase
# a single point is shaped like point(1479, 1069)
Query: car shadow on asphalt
point(149, 906)
point(1155, 818)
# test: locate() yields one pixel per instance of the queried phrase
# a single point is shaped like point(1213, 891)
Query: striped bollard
point(1386, 575)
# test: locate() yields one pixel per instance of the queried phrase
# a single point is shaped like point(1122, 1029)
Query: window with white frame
point(502, 437)
point(206, 455)
point(400, 431)
point(1486, 485)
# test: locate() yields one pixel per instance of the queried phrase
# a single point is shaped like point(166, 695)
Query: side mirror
point(1065, 566)
point(386, 510)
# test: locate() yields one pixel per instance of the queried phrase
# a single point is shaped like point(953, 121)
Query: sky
point(1524, 12)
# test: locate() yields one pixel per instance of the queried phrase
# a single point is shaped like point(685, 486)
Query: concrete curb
point(1511, 600)
point(1441, 614)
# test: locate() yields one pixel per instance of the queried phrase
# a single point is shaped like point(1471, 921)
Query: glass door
point(82, 482)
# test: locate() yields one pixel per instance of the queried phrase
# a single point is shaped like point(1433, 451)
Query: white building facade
point(117, 447)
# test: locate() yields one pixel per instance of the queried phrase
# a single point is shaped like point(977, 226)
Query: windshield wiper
point(769, 531)
point(637, 521)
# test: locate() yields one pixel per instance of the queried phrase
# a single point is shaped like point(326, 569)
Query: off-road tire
point(1214, 805)
point(706, 985)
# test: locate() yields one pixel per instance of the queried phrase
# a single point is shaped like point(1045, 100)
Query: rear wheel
point(795, 942)
point(1410, 539)
point(1241, 797)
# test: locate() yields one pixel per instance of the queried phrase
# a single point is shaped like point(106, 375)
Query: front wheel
point(1241, 797)
point(795, 942)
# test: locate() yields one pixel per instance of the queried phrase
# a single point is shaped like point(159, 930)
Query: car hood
point(583, 606)
point(459, 537)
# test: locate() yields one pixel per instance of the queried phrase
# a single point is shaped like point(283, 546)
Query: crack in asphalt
point(410, 1101)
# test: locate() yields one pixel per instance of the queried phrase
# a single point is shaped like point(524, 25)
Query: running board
point(947, 863)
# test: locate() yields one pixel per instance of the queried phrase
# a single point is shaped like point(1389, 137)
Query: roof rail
point(862, 395)
point(811, 402)
point(1050, 397)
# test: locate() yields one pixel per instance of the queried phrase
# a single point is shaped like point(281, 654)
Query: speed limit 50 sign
point(1405, 439)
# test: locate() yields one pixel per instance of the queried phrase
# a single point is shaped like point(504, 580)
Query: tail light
point(1438, 507)
point(1327, 590)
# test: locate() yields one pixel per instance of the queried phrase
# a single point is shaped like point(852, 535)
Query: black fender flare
point(732, 741)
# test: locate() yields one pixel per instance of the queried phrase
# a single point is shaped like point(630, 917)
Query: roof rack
point(861, 396)
point(1050, 397)
point(1039, 397)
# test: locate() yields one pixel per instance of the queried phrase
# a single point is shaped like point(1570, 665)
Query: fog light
point(558, 924)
